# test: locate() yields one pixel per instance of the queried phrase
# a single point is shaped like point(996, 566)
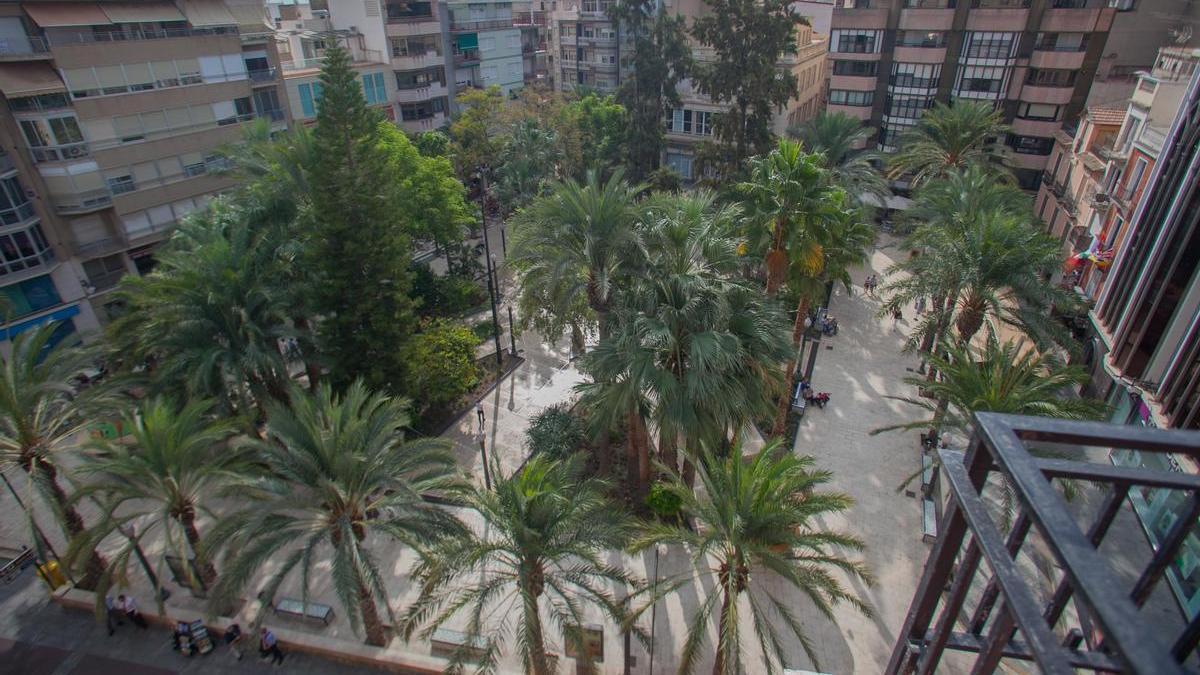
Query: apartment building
point(486, 45)
point(1147, 346)
point(1034, 59)
point(532, 18)
point(588, 52)
point(692, 122)
point(112, 113)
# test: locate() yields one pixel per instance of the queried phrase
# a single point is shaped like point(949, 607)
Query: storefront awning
point(139, 12)
point(29, 79)
point(208, 13)
point(468, 41)
point(60, 14)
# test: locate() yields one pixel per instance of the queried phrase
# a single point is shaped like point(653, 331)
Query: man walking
point(131, 611)
point(479, 413)
point(112, 615)
point(269, 646)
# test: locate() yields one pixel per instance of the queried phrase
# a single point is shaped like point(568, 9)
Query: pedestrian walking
point(920, 306)
point(112, 615)
point(129, 606)
point(269, 646)
point(897, 316)
point(233, 638)
point(480, 414)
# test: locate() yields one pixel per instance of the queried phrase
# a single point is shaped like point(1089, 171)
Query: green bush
point(449, 295)
point(483, 331)
point(441, 364)
point(663, 501)
point(555, 433)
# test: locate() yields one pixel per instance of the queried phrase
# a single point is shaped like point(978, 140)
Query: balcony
point(421, 93)
point(35, 48)
point(1092, 619)
point(467, 57)
point(360, 56)
point(60, 153)
point(410, 18)
point(64, 38)
point(262, 75)
point(82, 202)
point(98, 248)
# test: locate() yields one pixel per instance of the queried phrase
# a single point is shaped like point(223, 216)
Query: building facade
point(1146, 350)
point(585, 47)
point(890, 60)
point(112, 116)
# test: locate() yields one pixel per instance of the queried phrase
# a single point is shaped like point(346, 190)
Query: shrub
point(448, 295)
point(663, 502)
point(441, 364)
point(483, 331)
point(555, 433)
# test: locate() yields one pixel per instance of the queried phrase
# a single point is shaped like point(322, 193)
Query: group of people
point(125, 607)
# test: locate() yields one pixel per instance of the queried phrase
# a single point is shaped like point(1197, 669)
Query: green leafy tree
point(166, 472)
point(748, 37)
point(547, 530)
point(948, 137)
point(758, 523)
point(477, 133)
point(341, 476)
point(600, 123)
point(659, 60)
point(39, 418)
point(442, 361)
point(358, 248)
point(433, 144)
point(531, 155)
point(569, 248)
point(208, 317)
point(840, 139)
point(435, 201)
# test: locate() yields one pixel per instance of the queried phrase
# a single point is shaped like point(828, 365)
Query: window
point(66, 130)
point(680, 164)
point(697, 122)
point(1043, 112)
point(121, 184)
point(1030, 145)
point(1042, 208)
point(917, 38)
point(1051, 77)
point(1061, 42)
point(856, 41)
point(909, 107)
point(310, 96)
point(1132, 127)
point(31, 295)
point(916, 75)
point(104, 273)
point(981, 80)
point(373, 88)
point(15, 206)
point(847, 97)
point(983, 45)
point(24, 249)
point(1134, 179)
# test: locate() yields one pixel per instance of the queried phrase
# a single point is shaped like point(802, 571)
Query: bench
point(14, 567)
point(304, 610)
point(926, 472)
point(447, 641)
point(928, 520)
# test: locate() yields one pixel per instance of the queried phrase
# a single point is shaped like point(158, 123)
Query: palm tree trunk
point(533, 583)
point(208, 573)
point(668, 453)
point(372, 625)
point(776, 259)
point(637, 456)
point(72, 524)
point(789, 375)
point(311, 369)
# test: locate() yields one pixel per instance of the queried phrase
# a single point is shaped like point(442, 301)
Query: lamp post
point(493, 289)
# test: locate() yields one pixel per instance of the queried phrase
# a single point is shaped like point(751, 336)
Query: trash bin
point(52, 575)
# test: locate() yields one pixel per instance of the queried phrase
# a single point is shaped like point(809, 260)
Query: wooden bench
point(446, 641)
point(928, 520)
point(304, 610)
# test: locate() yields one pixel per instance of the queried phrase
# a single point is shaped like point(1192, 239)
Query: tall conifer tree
point(359, 247)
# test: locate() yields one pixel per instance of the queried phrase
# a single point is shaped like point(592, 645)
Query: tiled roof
point(1106, 115)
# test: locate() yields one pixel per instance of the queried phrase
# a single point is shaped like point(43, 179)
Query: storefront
point(1157, 509)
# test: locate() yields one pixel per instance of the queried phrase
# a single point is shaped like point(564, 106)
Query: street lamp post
point(493, 289)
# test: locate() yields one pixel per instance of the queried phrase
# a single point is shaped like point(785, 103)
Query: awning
point(60, 315)
point(139, 12)
point(207, 13)
point(468, 41)
point(251, 16)
point(29, 79)
point(58, 14)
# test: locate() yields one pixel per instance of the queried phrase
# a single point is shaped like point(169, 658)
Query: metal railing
point(80, 202)
point(466, 56)
point(62, 38)
point(482, 24)
point(99, 247)
point(60, 153)
point(262, 74)
point(1105, 631)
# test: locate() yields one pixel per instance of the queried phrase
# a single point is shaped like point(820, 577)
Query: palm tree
point(172, 464)
point(39, 416)
point(756, 519)
point(536, 550)
point(948, 137)
point(209, 316)
point(570, 248)
point(790, 202)
point(531, 155)
point(840, 139)
point(341, 477)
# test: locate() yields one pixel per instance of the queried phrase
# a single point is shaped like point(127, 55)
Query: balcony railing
point(483, 24)
point(929, 4)
point(133, 34)
point(466, 56)
point(99, 247)
point(60, 153)
point(262, 74)
point(35, 45)
point(1012, 614)
point(359, 56)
